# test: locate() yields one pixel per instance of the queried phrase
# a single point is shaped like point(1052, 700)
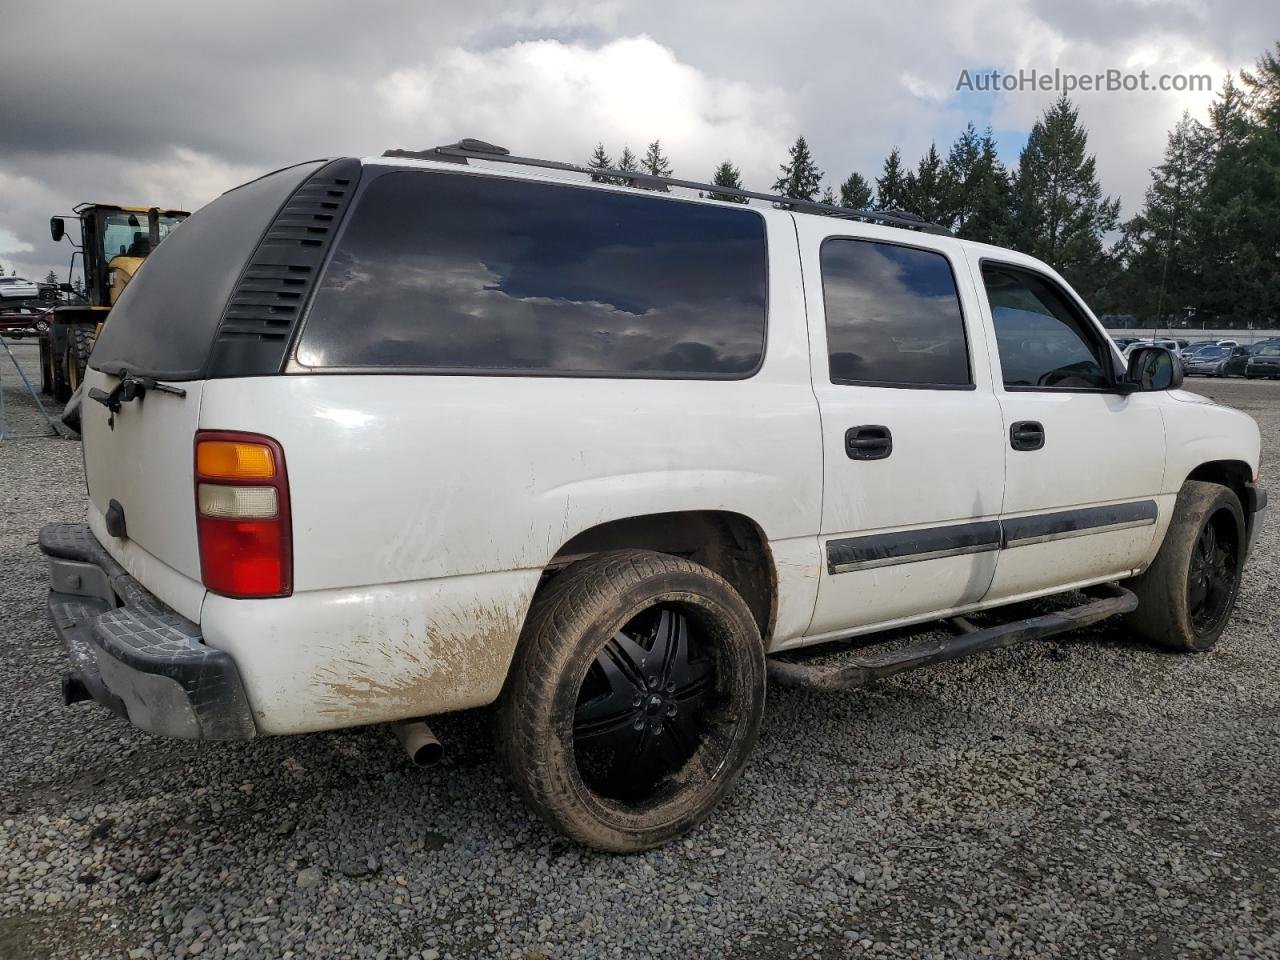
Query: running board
point(858, 671)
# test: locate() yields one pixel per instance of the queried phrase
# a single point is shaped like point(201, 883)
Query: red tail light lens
point(242, 515)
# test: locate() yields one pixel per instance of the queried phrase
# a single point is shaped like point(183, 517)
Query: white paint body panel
point(425, 508)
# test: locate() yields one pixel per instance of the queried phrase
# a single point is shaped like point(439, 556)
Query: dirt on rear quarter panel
point(460, 660)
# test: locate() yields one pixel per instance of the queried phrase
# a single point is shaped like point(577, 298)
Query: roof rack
point(469, 149)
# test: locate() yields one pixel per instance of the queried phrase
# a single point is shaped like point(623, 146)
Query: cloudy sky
point(170, 103)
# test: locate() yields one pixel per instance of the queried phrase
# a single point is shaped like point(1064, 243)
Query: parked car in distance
point(18, 288)
point(1206, 361)
point(1170, 345)
point(600, 455)
point(1122, 342)
point(1265, 363)
point(24, 321)
point(1197, 345)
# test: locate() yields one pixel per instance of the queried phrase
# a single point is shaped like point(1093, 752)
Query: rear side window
point(165, 320)
point(893, 316)
point(442, 272)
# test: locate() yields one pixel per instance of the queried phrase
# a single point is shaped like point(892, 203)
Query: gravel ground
point(1086, 797)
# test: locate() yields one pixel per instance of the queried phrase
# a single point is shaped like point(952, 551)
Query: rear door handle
point(1026, 435)
point(869, 442)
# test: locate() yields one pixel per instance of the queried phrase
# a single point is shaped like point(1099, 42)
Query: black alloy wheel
point(1211, 582)
point(645, 705)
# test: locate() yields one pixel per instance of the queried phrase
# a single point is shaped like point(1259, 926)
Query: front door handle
point(1026, 435)
point(870, 442)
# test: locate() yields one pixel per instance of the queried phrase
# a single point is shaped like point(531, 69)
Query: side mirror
point(1153, 368)
point(57, 228)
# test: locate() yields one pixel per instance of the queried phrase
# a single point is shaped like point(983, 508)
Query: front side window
point(456, 273)
point(893, 316)
point(1043, 340)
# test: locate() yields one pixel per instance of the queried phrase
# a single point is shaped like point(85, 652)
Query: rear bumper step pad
point(857, 671)
point(132, 653)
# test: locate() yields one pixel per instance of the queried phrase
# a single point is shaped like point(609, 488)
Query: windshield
point(1211, 353)
point(126, 234)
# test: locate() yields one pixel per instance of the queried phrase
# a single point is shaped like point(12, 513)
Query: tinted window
point(165, 320)
point(893, 316)
point(451, 272)
point(1043, 340)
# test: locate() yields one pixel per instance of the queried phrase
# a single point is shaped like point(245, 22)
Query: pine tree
point(727, 175)
point(799, 176)
point(891, 185)
point(628, 161)
point(1240, 227)
point(1059, 212)
point(51, 278)
point(600, 161)
point(855, 193)
point(1161, 254)
point(979, 188)
point(928, 190)
point(828, 197)
point(654, 163)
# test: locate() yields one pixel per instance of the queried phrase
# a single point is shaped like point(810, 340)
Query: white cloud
point(558, 99)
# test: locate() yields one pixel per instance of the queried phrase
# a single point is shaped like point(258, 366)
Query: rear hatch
point(203, 305)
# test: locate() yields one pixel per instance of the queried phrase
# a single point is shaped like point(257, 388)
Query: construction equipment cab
point(371, 440)
point(114, 241)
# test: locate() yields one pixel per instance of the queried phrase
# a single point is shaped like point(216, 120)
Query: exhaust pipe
point(419, 742)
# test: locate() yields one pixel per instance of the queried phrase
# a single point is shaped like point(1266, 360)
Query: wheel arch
point(730, 544)
point(1236, 475)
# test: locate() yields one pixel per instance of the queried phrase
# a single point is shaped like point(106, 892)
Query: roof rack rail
point(470, 149)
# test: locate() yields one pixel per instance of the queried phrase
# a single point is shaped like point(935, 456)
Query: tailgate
point(144, 461)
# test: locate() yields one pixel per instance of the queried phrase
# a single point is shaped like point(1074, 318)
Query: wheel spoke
point(623, 661)
point(605, 715)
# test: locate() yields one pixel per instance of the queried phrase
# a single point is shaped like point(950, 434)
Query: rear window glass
point(164, 323)
point(458, 273)
point(893, 316)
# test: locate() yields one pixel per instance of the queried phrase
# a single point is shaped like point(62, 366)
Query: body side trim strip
point(911, 546)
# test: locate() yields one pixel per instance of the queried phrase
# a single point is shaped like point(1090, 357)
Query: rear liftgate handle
point(870, 442)
point(1026, 435)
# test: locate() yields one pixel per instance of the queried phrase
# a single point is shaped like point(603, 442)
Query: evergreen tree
point(799, 176)
point(1159, 247)
point(1059, 212)
point(628, 161)
point(979, 202)
point(828, 197)
point(51, 278)
point(928, 190)
point(1240, 226)
point(600, 161)
point(891, 185)
point(654, 162)
point(727, 175)
point(855, 193)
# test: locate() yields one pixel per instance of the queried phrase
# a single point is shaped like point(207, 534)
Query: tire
point(80, 342)
point(580, 696)
point(1186, 596)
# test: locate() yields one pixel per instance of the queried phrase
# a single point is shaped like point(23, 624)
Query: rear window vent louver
point(274, 288)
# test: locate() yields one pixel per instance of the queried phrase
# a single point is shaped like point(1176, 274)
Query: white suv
point(371, 440)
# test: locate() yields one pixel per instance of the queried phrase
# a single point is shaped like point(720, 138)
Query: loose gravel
point(1085, 797)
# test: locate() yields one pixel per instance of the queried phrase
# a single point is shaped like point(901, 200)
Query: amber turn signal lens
point(234, 460)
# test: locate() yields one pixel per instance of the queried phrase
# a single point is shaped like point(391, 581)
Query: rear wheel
point(634, 699)
point(1187, 594)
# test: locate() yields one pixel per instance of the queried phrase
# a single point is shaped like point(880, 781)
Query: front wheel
point(634, 699)
point(1187, 594)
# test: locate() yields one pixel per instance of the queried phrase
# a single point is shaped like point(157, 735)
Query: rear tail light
point(242, 515)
